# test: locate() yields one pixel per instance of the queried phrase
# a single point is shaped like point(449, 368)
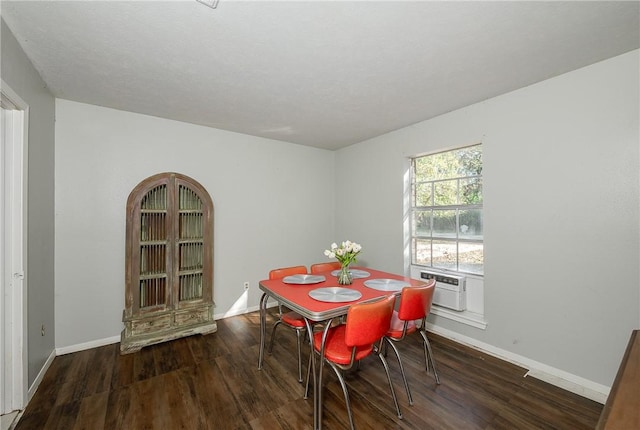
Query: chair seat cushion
point(293, 319)
point(395, 329)
point(335, 349)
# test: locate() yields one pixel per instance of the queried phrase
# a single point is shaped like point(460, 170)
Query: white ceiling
point(319, 73)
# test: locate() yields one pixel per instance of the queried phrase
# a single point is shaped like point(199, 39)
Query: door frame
point(14, 368)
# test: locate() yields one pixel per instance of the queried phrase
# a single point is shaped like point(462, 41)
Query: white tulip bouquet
point(346, 254)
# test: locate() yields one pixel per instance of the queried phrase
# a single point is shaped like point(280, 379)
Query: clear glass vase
point(344, 276)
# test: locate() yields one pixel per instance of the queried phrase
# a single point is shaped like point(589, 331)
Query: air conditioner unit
point(451, 290)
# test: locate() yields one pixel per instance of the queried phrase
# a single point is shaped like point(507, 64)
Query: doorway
point(13, 298)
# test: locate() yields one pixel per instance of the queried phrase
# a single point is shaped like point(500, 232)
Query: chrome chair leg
point(428, 356)
point(299, 355)
point(345, 391)
point(273, 335)
point(404, 377)
point(306, 386)
point(298, 332)
point(393, 392)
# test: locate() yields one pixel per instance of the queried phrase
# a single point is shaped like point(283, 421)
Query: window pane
point(470, 160)
point(422, 169)
point(449, 164)
point(444, 255)
point(471, 191)
point(471, 224)
point(445, 193)
point(444, 223)
point(422, 251)
point(423, 194)
point(471, 258)
point(422, 223)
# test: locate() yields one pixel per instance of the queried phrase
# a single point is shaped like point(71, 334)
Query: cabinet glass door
point(190, 243)
point(153, 248)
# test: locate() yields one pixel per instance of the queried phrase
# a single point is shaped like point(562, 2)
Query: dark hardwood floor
point(212, 382)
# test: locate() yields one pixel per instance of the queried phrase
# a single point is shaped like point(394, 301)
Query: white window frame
point(474, 315)
point(413, 236)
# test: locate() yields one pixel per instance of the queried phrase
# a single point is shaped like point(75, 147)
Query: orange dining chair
point(415, 304)
point(347, 344)
point(325, 267)
point(291, 319)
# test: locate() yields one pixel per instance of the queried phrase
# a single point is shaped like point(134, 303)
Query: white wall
point(22, 77)
point(273, 207)
point(561, 212)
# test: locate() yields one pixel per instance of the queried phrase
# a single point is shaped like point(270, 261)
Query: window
point(446, 210)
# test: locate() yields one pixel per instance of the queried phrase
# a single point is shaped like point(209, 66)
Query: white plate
point(355, 273)
point(303, 279)
point(335, 294)
point(386, 284)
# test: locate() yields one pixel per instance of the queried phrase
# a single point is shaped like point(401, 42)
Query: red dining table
point(298, 297)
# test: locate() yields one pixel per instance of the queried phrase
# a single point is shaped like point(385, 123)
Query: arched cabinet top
point(170, 179)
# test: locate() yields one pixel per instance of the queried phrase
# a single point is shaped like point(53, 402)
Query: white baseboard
point(115, 339)
point(567, 381)
point(234, 313)
point(87, 345)
point(575, 384)
point(36, 382)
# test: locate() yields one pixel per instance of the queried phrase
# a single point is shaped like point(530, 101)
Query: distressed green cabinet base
point(141, 332)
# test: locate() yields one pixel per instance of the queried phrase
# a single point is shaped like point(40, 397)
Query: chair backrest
point(367, 323)
point(415, 302)
point(287, 271)
point(325, 267)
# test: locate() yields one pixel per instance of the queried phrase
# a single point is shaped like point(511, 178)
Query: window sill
point(469, 318)
point(474, 315)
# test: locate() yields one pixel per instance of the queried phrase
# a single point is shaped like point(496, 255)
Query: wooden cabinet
point(622, 410)
point(169, 262)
